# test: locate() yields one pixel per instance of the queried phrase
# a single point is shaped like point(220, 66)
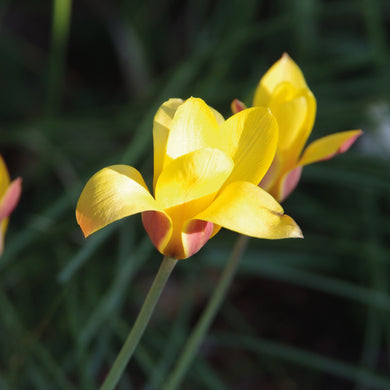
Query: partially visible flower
point(284, 91)
point(206, 172)
point(9, 198)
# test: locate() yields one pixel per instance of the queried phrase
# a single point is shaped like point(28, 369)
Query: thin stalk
point(59, 38)
point(208, 315)
point(140, 324)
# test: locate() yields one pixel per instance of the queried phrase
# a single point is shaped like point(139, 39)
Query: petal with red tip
point(158, 225)
point(327, 147)
point(195, 235)
point(288, 183)
point(237, 106)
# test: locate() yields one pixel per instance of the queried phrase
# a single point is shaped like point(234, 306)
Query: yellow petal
point(194, 127)
point(193, 176)
point(327, 147)
point(246, 208)
point(284, 70)
point(294, 111)
point(161, 126)
point(111, 194)
point(4, 177)
point(251, 137)
point(219, 118)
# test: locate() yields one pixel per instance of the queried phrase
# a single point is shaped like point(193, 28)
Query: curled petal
point(194, 127)
point(246, 208)
point(252, 137)
point(284, 70)
point(193, 176)
point(10, 198)
point(237, 106)
point(111, 194)
point(161, 126)
point(327, 147)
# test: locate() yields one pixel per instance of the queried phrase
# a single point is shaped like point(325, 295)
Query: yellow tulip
point(284, 91)
point(206, 172)
point(9, 198)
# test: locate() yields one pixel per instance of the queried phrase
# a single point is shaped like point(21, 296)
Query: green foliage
point(302, 314)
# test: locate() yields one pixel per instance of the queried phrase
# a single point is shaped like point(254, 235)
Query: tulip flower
point(284, 91)
point(206, 175)
point(9, 198)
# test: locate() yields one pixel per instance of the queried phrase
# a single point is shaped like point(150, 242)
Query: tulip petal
point(10, 198)
point(237, 106)
point(295, 113)
point(284, 70)
point(288, 183)
point(247, 209)
point(194, 127)
point(219, 118)
point(158, 225)
point(327, 147)
point(195, 235)
point(252, 137)
point(161, 126)
point(193, 176)
point(111, 194)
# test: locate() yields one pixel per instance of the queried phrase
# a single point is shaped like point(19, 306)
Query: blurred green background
point(78, 92)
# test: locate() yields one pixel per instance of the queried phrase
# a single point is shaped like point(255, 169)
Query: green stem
point(140, 324)
point(59, 38)
point(208, 315)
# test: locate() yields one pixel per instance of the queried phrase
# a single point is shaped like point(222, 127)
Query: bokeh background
point(79, 85)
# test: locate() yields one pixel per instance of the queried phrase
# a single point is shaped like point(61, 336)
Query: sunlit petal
point(327, 147)
point(295, 113)
point(161, 126)
point(111, 194)
point(252, 137)
point(284, 70)
point(246, 208)
point(194, 127)
point(193, 176)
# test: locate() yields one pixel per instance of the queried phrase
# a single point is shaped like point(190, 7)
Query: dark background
point(301, 314)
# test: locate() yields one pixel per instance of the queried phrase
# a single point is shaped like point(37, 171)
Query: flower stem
point(208, 315)
point(140, 324)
